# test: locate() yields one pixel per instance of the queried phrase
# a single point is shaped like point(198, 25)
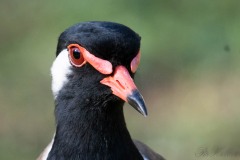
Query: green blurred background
point(189, 73)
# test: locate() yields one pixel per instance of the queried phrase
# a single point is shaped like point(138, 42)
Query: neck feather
point(92, 132)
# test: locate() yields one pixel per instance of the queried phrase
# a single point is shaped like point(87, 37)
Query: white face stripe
point(60, 69)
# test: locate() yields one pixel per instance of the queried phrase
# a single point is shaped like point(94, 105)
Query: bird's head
point(95, 63)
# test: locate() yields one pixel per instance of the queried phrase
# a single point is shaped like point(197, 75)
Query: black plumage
point(107, 40)
point(90, 122)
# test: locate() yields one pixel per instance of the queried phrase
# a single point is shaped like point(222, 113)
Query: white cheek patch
point(61, 68)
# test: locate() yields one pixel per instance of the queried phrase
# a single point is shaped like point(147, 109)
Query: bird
point(92, 78)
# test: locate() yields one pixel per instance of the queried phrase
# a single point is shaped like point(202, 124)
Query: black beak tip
point(136, 101)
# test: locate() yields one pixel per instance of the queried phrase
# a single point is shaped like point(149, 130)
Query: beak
point(122, 85)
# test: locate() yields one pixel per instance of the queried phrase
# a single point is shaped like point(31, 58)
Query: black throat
point(89, 130)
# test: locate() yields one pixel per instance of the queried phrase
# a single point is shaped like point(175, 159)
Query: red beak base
point(122, 85)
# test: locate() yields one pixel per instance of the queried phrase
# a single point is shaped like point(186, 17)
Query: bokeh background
point(189, 73)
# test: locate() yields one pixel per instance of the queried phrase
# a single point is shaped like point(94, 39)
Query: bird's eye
point(76, 57)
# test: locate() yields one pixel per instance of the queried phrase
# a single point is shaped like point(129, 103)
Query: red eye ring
point(76, 56)
point(83, 56)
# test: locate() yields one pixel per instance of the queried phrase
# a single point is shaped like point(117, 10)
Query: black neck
point(92, 133)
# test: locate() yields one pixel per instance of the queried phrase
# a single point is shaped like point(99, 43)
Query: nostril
point(120, 84)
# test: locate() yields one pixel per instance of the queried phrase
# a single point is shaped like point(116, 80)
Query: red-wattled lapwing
point(91, 79)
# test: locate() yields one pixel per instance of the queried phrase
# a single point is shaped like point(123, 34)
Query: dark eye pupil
point(76, 54)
